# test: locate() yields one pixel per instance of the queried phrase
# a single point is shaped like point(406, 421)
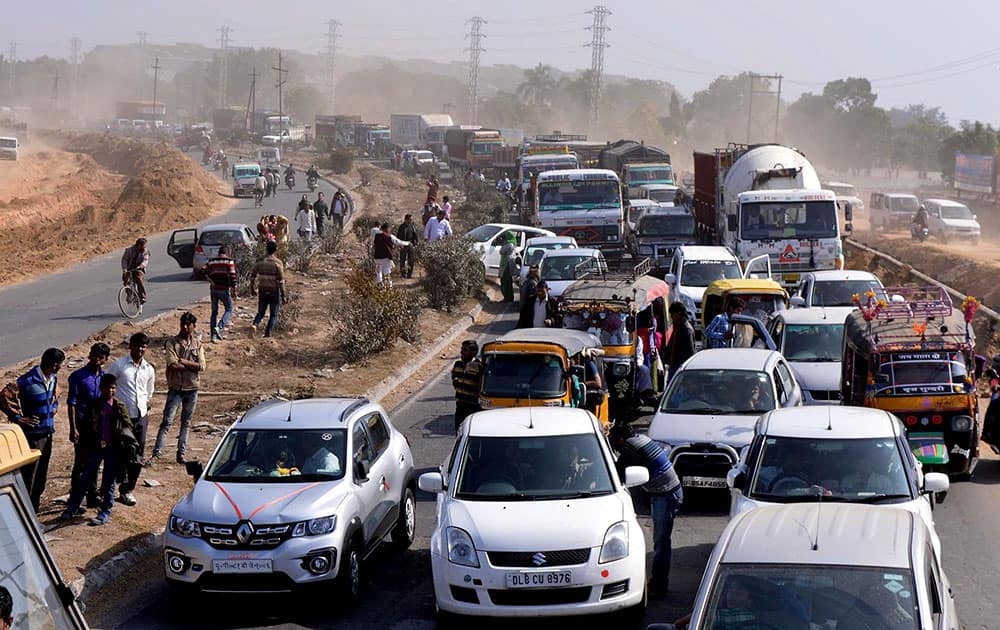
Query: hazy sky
point(919, 52)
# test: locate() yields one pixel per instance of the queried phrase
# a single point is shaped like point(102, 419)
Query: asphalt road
point(64, 307)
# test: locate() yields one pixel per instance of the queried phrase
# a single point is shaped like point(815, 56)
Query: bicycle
point(258, 198)
point(128, 298)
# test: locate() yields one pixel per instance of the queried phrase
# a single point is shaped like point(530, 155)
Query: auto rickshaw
point(914, 356)
point(763, 298)
point(535, 367)
point(608, 306)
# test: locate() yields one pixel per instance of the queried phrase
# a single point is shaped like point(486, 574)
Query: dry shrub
point(332, 241)
point(289, 313)
point(245, 258)
point(302, 253)
point(368, 318)
point(480, 207)
point(453, 271)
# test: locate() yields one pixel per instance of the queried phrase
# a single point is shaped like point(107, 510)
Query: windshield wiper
point(699, 410)
point(798, 498)
point(579, 494)
point(876, 498)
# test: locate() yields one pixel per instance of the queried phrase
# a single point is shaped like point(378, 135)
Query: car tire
point(445, 620)
point(349, 576)
point(181, 595)
point(633, 616)
point(406, 525)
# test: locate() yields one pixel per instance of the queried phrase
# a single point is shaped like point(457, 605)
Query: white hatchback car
point(558, 267)
point(535, 248)
point(952, 220)
point(834, 288)
point(489, 238)
point(533, 520)
point(812, 341)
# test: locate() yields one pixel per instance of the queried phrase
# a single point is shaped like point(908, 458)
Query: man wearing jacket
point(407, 231)
point(221, 274)
point(38, 394)
point(268, 277)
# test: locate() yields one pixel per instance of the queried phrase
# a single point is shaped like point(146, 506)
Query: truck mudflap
point(929, 448)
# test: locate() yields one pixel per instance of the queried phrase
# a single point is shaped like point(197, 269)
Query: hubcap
point(410, 517)
point(355, 573)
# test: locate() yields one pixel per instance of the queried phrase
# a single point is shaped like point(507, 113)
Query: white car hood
point(266, 503)
point(823, 376)
point(680, 428)
point(556, 287)
point(537, 525)
point(695, 293)
point(961, 223)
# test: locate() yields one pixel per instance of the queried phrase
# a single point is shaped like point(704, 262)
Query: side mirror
point(798, 301)
point(431, 482)
point(361, 470)
point(849, 228)
point(194, 469)
point(935, 482)
point(630, 323)
point(731, 223)
point(848, 212)
point(636, 476)
point(670, 278)
point(736, 478)
point(881, 378)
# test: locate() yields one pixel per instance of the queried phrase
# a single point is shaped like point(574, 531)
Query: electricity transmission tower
point(251, 112)
point(143, 35)
point(475, 37)
point(777, 110)
point(156, 80)
point(597, 45)
point(223, 64)
point(331, 56)
point(74, 60)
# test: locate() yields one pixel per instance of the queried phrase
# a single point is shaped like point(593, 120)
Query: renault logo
point(244, 532)
point(538, 559)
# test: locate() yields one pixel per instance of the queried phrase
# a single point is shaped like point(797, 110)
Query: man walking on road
point(322, 213)
point(185, 363)
point(539, 312)
point(221, 274)
point(680, 348)
point(306, 219)
point(134, 389)
point(437, 228)
point(268, 182)
point(407, 231)
point(466, 377)
point(135, 259)
point(268, 277)
point(38, 394)
point(84, 392)
point(664, 490)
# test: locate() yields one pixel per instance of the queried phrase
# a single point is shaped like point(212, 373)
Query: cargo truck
point(767, 199)
point(583, 203)
point(637, 163)
point(409, 130)
point(471, 148)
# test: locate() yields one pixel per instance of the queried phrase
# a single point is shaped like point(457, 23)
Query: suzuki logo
point(538, 559)
point(244, 532)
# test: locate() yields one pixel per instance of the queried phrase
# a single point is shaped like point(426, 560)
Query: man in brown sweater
point(267, 281)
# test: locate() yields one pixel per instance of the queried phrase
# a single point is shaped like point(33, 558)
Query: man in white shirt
point(438, 227)
point(136, 382)
point(307, 222)
point(542, 316)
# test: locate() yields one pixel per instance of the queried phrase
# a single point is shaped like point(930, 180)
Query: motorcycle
point(312, 182)
point(290, 181)
point(919, 232)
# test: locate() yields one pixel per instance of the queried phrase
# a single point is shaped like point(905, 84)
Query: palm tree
point(538, 85)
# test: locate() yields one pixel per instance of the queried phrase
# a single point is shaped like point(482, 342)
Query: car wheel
point(634, 616)
point(445, 620)
point(181, 594)
point(349, 577)
point(406, 525)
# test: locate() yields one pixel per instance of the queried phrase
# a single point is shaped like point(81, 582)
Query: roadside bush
point(453, 271)
point(362, 229)
point(245, 258)
point(482, 206)
point(289, 313)
point(368, 318)
point(302, 253)
point(332, 241)
point(340, 161)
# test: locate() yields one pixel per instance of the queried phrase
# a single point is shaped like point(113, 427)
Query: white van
point(949, 219)
point(269, 156)
point(9, 148)
point(692, 268)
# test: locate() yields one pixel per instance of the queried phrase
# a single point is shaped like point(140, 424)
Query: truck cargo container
point(472, 148)
point(636, 164)
point(410, 129)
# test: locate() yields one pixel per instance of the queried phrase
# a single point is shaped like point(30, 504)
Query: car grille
point(539, 596)
point(236, 583)
point(262, 537)
point(702, 460)
point(529, 558)
point(825, 394)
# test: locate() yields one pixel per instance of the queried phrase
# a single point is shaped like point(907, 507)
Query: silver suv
point(297, 493)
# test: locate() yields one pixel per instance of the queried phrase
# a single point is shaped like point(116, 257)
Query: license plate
point(791, 277)
point(704, 482)
point(245, 565)
point(539, 579)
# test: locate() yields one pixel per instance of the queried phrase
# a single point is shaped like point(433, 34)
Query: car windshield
point(811, 596)
point(534, 168)
point(701, 273)
point(261, 456)
point(534, 253)
point(956, 212)
point(841, 292)
point(247, 172)
point(762, 306)
point(813, 343)
point(483, 233)
point(533, 468)
point(523, 376)
point(218, 237)
point(903, 204)
point(842, 190)
point(640, 175)
point(906, 374)
point(788, 219)
point(423, 155)
point(484, 147)
point(719, 392)
point(561, 267)
point(806, 469)
point(666, 225)
point(579, 195)
point(664, 196)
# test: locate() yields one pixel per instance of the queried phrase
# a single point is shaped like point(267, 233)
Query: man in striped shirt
point(465, 378)
point(221, 274)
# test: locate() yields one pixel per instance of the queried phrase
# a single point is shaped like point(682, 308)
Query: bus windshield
point(585, 194)
point(909, 374)
point(788, 219)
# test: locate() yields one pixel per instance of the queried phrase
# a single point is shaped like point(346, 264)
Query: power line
point(597, 45)
point(223, 64)
point(475, 37)
point(331, 51)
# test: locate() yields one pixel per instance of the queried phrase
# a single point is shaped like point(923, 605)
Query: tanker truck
point(767, 199)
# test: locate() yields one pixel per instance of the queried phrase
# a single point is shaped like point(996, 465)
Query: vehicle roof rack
point(354, 406)
point(924, 302)
point(614, 268)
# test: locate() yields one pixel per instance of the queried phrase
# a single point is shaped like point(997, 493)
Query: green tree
point(972, 137)
point(538, 86)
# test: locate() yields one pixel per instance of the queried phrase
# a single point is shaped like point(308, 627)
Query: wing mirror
point(194, 469)
point(431, 482)
point(935, 482)
point(670, 278)
point(736, 478)
point(731, 222)
point(848, 212)
point(636, 476)
point(798, 301)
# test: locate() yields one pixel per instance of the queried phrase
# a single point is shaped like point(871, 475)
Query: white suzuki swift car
point(533, 520)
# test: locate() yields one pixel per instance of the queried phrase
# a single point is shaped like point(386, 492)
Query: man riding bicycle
point(135, 259)
point(259, 186)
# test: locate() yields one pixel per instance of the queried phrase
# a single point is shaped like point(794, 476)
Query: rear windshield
point(219, 237)
point(8, 143)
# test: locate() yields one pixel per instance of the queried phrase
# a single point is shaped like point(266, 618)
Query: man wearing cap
point(466, 377)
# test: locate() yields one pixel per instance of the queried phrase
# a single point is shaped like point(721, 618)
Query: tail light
point(911, 420)
point(937, 419)
point(198, 249)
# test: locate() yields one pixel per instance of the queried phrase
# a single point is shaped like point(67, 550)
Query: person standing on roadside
point(529, 289)
point(466, 378)
point(437, 228)
point(446, 206)
point(185, 363)
point(84, 392)
point(38, 394)
point(664, 490)
point(339, 209)
point(432, 189)
point(322, 213)
point(135, 259)
point(680, 348)
point(136, 381)
point(407, 231)
point(383, 251)
point(268, 181)
point(306, 219)
point(267, 281)
point(221, 274)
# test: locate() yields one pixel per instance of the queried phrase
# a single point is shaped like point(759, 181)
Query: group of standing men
point(312, 217)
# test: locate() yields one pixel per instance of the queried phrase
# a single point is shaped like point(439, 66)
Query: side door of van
point(181, 247)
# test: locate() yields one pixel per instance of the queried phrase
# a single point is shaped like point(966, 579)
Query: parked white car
point(296, 493)
point(952, 220)
point(830, 566)
point(709, 410)
point(535, 248)
point(532, 519)
point(193, 248)
point(558, 267)
point(489, 238)
point(812, 341)
point(693, 268)
point(840, 454)
point(834, 288)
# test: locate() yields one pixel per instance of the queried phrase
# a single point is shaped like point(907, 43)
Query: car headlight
point(615, 545)
point(961, 423)
point(460, 548)
point(315, 526)
point(620, 369)
point(184, 527)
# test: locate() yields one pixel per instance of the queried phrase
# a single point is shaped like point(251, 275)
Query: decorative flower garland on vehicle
point(871, 306)
point(969, 307)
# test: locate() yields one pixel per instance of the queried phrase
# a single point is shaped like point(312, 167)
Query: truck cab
point(637, 174)
point(583, 203)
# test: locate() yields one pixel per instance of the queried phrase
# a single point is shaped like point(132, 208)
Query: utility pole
point(475, 37)
point(12, 59)
point(251, 114)
point(597, 45)
point(753, 76)
point(331, 52)
point(54, 106)
point(156, 79)
point(74, 60)
point(223, 64)
point(280, 83)
point(142, 38)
